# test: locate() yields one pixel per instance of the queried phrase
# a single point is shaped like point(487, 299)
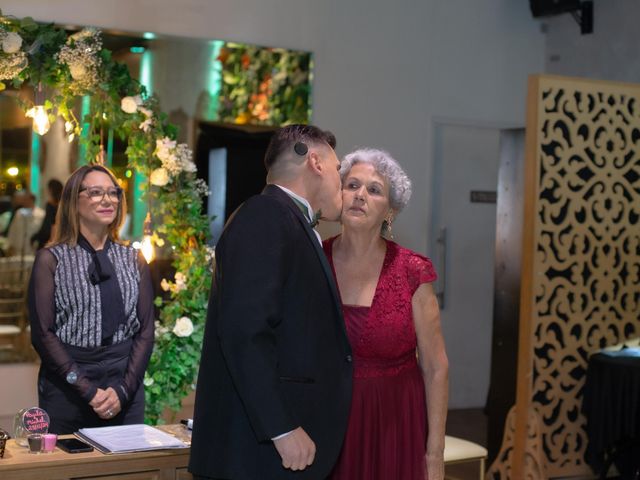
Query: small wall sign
point(483, 196)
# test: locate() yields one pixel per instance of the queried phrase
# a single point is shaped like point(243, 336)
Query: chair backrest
point(12, 311)
point(14, 279)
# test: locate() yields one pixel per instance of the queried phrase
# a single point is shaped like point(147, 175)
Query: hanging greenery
point(65, 66)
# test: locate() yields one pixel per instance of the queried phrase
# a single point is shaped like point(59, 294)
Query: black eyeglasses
point(96, 194)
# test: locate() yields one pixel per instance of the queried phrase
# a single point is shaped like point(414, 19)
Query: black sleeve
point(252, 264)
point(142, 340)
point(42, 317)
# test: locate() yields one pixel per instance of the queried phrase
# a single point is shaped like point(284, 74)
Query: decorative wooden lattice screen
point(581, 263)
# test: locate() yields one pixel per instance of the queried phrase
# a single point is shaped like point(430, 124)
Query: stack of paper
point(128, 438)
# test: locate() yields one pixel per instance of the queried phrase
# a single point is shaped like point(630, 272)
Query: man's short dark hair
point(285, 139)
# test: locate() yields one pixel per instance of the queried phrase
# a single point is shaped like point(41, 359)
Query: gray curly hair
point(385, 166)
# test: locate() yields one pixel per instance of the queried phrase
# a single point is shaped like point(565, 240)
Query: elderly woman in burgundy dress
point(398, 410)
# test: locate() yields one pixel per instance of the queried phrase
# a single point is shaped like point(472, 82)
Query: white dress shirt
point(310, 214)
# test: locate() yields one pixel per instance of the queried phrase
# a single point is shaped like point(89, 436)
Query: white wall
point(383, 70)
point(609, 53)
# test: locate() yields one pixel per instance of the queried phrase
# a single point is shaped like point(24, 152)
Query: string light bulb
point(38, 113)
point(40, 117)
point(146, 246)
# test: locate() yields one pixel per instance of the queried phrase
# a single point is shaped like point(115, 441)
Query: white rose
point(180, 281)
point(11, 42)
point(164, 149)
point(129, 105)
point(183, 327)
point(78, 70)
point(159, 177)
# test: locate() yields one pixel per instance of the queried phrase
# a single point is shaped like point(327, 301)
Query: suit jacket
point(275, 354)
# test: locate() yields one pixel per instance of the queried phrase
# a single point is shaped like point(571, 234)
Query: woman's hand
point(434, 466)
point(106, 403)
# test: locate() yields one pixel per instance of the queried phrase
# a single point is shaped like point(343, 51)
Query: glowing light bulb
point(40, 117)
point(146, 247)
point(13, 171)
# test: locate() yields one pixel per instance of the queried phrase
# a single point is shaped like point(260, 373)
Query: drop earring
point(386, 226)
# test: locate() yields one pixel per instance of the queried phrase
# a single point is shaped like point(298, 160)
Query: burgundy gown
point(387, 430)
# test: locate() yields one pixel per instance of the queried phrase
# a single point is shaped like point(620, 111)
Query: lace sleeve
point(42, 317)
point(420, 270)
point(143, 339)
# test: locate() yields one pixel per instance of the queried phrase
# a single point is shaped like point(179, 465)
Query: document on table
point(129, 438)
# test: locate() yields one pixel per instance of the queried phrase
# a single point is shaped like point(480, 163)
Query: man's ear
point(314, 162)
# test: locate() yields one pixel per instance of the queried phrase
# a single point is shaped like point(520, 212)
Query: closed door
point(462, 245)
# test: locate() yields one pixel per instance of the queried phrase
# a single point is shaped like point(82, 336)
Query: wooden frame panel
point(580, 255)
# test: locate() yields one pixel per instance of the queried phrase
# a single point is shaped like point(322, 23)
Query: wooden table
point(19, 464)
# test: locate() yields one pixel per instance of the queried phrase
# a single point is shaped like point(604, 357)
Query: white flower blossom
point(166, 286)
point(164, 146)
point(201, 187)
point(159, 177)
point(68, 126)
point(175, 158)
point(180, 281)
point(148, 381)
point(12, 64)
point(11, 42)
point(183, 327)
point(159, 330)
point(146, 125)
point(129, 105)
point(186, 158)
point(77, 70)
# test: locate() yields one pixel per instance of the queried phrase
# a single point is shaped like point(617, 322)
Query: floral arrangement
point(264, 86)
point(81, 56)
point(12, 59)
point(46, 57)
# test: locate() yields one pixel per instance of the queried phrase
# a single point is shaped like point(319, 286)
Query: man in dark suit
point(274, 385)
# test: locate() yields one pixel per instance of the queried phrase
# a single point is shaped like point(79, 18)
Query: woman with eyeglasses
point(91, 310)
